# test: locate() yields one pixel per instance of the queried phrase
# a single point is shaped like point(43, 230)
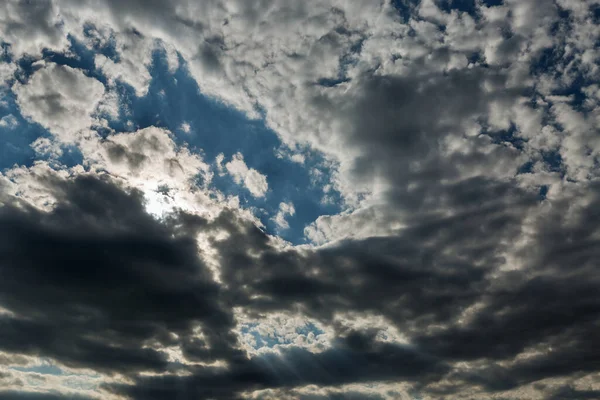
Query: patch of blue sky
point(107, 46)
point(526, 168)
point(405, 8)
point(543, 192)
point(506, 137)
point(264, 341)
point(553, 60)
point(16, 134)
point(346, 61)
point(174, 99)
point(68, 380)
point(553, 161)
point(44, 368)
point(467, 6)
point(595, 12)
point(309, 328)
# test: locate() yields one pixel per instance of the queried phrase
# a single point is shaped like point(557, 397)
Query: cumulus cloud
point(132, 68)
point(8, 122)
point(185, 127)
point(254, 181)
point(7, 71)
point(60, 98)
point(285, 209)
point(30, 28)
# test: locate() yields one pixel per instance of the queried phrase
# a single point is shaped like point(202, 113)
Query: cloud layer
point(448, 198)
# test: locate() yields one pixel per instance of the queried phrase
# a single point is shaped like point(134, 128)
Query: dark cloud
point(426, 278)
point(356, 358)
point(552, 306)
point(96, 279)
point(347, 395)
point(396, 123)
point(425, 275)
point(118, 153)
point(568, 393)
point(14, 395)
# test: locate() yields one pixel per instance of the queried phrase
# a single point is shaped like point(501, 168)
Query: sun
point(159, 201)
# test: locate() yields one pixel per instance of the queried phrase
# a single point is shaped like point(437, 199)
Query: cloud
point(7, 71)
point(100, 248)
point(61, 99)
point(185, 127)
point(29, 28)
point(479, 313)
point(254, 181)
point(8, 122)
point(148, 155)
point(568, 392)
point(132, 68)
point(285, 209)
point(353, 359)
point(14, 395)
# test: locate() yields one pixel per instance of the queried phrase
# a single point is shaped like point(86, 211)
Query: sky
point(299, 200)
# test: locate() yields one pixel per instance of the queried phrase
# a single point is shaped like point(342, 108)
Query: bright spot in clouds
point(157, 203)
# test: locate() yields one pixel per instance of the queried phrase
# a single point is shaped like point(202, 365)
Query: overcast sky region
point(299, 200)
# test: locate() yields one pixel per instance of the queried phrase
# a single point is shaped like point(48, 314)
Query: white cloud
point(242, 54)
point(61, 99)
point(252, 180)
point(8, 121)
point(285, 209)
point(132, 68)
point(219, 162)
point(109, 105)
point(30, 27)
point(31, 184)
point(70, 383)
point(46, 147)
point(185, 127)
point(367, 220)
point(283, 330)
point(150, 160)
point(6, 72)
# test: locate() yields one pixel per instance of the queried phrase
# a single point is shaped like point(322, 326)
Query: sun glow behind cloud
point(158, 203)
